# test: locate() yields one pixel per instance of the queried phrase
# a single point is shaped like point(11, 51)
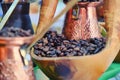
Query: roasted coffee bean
point(74, 53)
point(43, 54)
point(45, 40)
point(90, 48)
point(77, 49)
point(96, 50)
point(92, 45)
point(61, 54)
point(64, 49)
point(36, 52)
point(83, 50)
point(46, 49)
point(56, 45)
point(65, 42)
point(58, 51)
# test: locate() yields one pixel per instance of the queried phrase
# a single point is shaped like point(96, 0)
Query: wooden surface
point(47, 12)
point(87, 67)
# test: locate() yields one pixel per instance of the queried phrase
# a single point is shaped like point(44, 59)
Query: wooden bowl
point(86, 67)
point(80, 67)
point(117, 58)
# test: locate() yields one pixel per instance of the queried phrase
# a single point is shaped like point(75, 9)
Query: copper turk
point(81, 21)
point(11, 61)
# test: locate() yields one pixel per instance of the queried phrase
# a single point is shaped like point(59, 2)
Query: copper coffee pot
point(12, 66)
point(14, 63)
point(81, 21)
point(20, 16)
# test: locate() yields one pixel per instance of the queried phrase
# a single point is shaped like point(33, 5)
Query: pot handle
point(75, 12)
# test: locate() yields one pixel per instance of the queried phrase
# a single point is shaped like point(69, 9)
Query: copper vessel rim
point(93, 4)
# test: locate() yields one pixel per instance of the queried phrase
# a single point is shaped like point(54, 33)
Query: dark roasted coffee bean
point(90, 48)
point(45, 40)
point(58, 47)
point(61, 54)
point(64, 49)
point(97, 50)
point(74, 53)
point(65, 42)
point(46, 49)
point(58, 51)
point(74, 43)
point(83, 50)
point(48, 52)
point(73, 46)
point(77, 49)
point(40, 45)
point(92, 45)
point(70, 54)
point(55, 55)
point(37, 52)
point(43, 54)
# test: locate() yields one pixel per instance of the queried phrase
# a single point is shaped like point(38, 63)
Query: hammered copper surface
point(85, 26)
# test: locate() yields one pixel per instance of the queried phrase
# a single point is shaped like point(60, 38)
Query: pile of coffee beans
point(56, 45)
point(14, 32)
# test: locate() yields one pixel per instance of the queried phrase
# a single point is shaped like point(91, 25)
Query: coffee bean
point(74, 53)
point(37, 52)
point(77, 49)
point(56, 45)
point(61, 54)
point(65, 42)
point(96, 50)
point(46, 49)
point(58, 51)
point(43, 54)
point(83, 50)
point(64, 49)
point(45, 40)
point(90, 48)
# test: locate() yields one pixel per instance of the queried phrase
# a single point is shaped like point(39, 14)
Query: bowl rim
point(63, 58)
point(16, 40)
